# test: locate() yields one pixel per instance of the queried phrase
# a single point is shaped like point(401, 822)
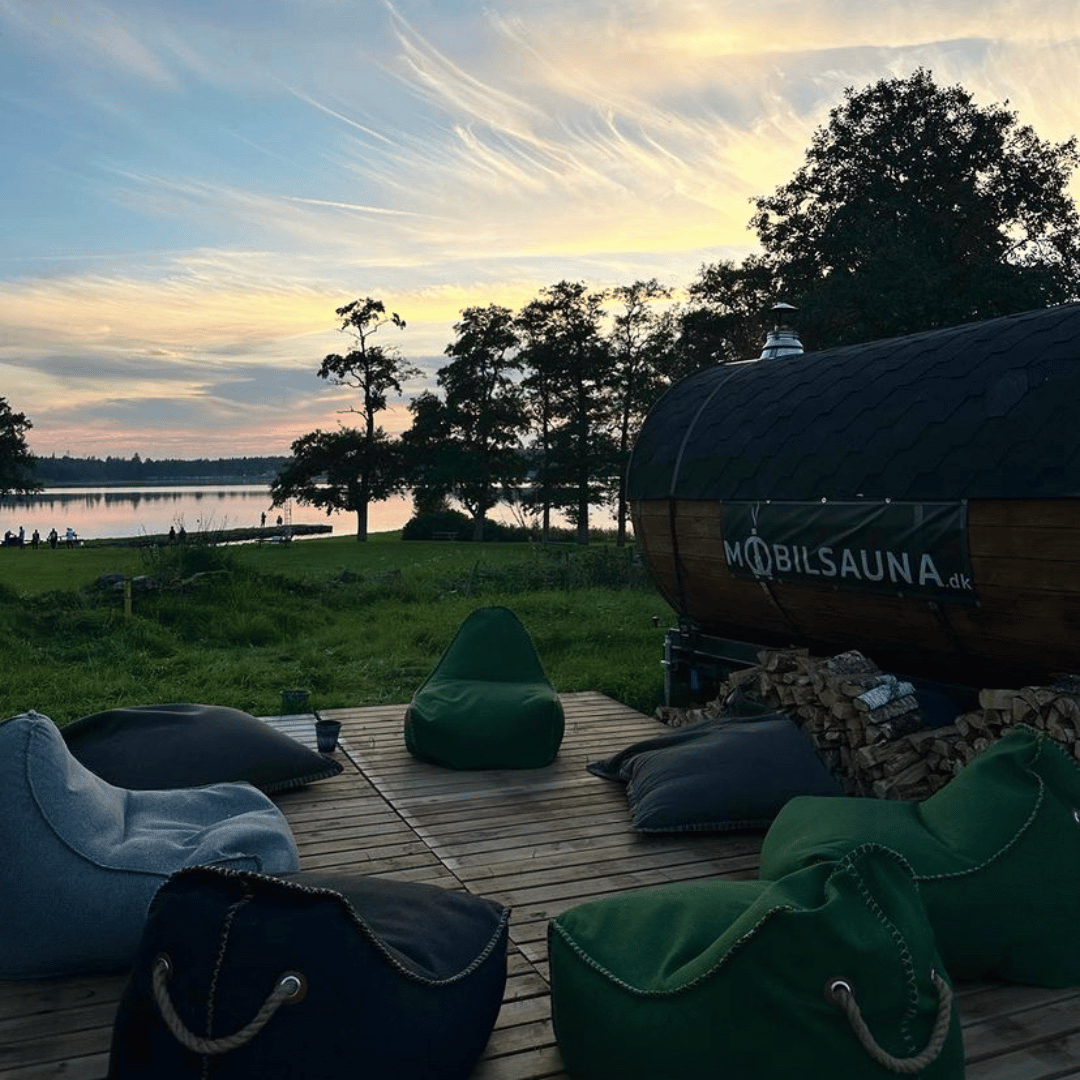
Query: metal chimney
point(783, 339)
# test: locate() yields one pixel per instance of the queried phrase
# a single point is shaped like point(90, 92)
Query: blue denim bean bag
point(82, 859)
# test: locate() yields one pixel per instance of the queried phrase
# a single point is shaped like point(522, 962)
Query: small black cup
point(326, 735)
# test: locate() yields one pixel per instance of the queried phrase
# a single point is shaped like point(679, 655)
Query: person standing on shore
point(53, 539)
point(35, 539)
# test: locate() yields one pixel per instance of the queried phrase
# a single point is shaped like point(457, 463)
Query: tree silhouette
point(728, 325)
point(16, 462)
point(566, 360)
point(362, 475)
point(341, 470)
point(915, 209)
point(643, 361)
point(467, 444)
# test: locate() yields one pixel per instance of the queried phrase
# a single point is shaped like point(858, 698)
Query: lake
point(97, 513)
point(106, 512)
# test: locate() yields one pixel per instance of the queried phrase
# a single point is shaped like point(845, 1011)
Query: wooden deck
point(540, 842)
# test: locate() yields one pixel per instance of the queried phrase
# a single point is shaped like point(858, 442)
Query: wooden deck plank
point(542, 841)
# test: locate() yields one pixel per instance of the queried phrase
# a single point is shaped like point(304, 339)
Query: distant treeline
point(67, 471)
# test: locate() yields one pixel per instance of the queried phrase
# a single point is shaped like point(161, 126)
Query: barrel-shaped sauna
point(917, 499)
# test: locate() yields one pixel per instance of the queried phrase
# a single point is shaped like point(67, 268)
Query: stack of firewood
point(868, 728)
point(1052, 709)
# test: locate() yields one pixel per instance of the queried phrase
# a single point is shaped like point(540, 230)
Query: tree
point(374, 370)
point(643, 362)
point(914, 209)
point(467, 445)
point(566, 358)
point(431, 473)
point(728, 326)
point(341, 470)
point(16, 462)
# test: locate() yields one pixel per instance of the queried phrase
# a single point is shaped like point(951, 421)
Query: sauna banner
point(899, 548)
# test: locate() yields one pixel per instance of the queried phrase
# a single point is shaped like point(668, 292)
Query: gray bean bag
point(80, 859)
point(734, 771)
point(188, 745)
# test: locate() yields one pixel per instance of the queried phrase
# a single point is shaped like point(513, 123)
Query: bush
point(425, 526)
point(509, 534)
point(428, 527)
point(178, 562)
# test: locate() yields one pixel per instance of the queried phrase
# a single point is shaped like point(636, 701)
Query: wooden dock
point(541, 842)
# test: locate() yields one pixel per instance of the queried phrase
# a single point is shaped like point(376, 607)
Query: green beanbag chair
point(488, 703)
point(832, 971)
point(996, 853)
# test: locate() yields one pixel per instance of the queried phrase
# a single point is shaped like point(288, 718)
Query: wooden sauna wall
point(1025, 555)
point(1025, 558)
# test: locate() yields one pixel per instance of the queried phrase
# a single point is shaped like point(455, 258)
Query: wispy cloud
point(189, 196)
point(85, 32)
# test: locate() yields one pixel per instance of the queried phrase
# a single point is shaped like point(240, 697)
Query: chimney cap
point(783, 339)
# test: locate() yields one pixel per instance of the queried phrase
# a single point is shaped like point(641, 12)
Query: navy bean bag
point(393, 980)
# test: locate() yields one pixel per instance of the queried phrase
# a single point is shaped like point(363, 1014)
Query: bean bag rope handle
point(840, 993)
point(290, 987)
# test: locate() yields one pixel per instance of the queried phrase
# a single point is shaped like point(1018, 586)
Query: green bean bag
point(488, 703)
point(996, 853)
point(745, 980)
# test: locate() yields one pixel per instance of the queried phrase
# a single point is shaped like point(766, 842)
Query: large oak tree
point(915, 208)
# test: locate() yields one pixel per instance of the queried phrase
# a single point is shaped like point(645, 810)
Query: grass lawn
point(355, 624)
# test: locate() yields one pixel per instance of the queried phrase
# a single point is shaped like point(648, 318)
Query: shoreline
point(265, 534)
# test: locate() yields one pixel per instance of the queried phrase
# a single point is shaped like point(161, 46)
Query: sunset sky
point(191, 187)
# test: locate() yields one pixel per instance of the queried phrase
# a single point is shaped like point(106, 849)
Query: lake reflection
point(97, 513)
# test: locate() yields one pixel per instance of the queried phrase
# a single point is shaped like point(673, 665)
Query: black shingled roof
point(988, 410)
